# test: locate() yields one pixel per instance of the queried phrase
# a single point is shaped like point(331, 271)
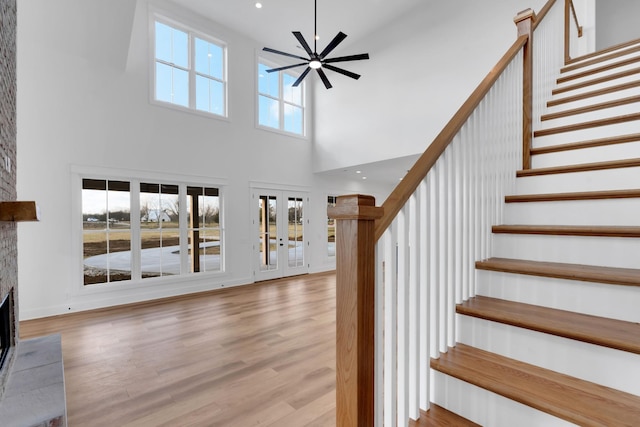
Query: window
point(190, 69)
point(106, 230)
point(331, 229)
point(204, 228)
point(166, 237)
point(280, 105)
point(159, 229)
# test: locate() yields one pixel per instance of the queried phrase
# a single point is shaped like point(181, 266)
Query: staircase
point(553, 336)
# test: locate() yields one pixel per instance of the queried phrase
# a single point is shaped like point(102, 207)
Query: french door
point(279, 245)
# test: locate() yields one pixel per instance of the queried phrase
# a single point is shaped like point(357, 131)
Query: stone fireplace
point(7, 338)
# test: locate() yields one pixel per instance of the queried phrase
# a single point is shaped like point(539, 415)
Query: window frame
point(192, 34)
point(262, 60)
point(137, 281)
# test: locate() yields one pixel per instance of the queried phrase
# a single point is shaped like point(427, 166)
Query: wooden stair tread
point(590, 108)
point(621, 139)
point(593, 93)
point(601, 52)
point(603, 79)
point(597, 70)
point(577, 401)
point(602, 58)
point(586, 195)
point(437, 416)
point(602, 331)
point(557, 270)
point(588, 125)
point(582, 167)
point(569, 230)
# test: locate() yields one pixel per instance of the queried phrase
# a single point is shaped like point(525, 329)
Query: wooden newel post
point(524, 22)
point(355, 289)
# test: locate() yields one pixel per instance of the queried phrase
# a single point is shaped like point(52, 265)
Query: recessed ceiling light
point(358, 171)
point(258, 5)
point(364, 177)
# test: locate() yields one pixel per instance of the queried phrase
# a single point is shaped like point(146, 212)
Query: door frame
point(282, 195)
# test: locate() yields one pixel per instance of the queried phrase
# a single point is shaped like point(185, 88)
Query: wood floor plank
point(260, 354)
point(238, 356)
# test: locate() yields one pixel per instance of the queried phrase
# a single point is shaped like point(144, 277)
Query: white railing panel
point(426, 259)
point(548, 51)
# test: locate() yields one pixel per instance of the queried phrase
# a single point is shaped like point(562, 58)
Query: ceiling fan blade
point(347, 58)
point(302, 76)
point(333, 43)
point(342, 71)
point(303, 43)
point(285, 67)
point(324, 78)
point(268, 49)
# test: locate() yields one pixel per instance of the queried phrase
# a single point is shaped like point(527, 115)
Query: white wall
point(422, 68)
point(620, 18)
point(83, 102)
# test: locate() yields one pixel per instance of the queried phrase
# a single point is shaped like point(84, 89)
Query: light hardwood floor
point(254, 355)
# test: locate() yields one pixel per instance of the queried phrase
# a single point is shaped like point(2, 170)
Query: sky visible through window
point(280, 105)
point(175, 70)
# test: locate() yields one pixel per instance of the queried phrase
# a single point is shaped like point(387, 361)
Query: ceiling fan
point(318, 61)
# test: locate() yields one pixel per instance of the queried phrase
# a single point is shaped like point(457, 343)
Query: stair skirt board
point(487, 408)
point(608, 367)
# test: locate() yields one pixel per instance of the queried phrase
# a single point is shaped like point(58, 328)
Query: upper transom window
point(280, 105)
point(189, 69)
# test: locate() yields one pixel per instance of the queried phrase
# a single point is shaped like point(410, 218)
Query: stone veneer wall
point(8, 232)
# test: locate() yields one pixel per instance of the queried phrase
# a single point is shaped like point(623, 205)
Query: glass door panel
point(280, 240)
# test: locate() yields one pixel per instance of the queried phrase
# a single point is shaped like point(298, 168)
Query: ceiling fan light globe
point(315, 64)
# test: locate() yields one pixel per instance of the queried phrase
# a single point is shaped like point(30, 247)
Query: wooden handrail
point(575, 18)
point(396, 200)
point(569, 10)
point(543, 12)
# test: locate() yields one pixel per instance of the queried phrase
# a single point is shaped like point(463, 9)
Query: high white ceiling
point(272, 25)
point(274, 22)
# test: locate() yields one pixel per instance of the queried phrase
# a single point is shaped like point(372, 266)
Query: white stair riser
point(621, 110)
point(575, 212)
point(486, 408)
point(608, 367)
point(589, 78)
point(605, 153)
point(603, 251)
point(601, 180)
point(626, 93)
point(597, 86)
point(597, 299)
point(587, 134)
point(600, 64)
